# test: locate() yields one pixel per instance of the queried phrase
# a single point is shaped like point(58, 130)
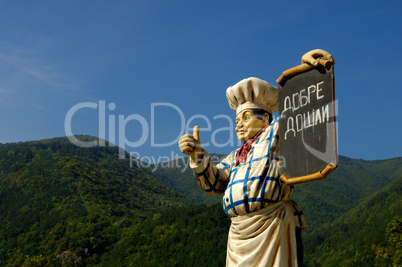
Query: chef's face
point(248, 125)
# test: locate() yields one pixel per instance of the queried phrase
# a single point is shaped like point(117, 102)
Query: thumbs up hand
point(190, 144)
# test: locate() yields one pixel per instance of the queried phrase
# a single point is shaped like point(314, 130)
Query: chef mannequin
point(265, 223)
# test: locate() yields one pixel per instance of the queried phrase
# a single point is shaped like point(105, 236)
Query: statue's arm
point(212, 177)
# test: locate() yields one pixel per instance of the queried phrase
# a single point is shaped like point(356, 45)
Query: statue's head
point(254, 101)
point(250, 121)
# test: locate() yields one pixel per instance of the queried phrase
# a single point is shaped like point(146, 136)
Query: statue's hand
point(190, 144)
point(312, 56)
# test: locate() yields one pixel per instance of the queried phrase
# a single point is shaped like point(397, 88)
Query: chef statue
point(265, 223)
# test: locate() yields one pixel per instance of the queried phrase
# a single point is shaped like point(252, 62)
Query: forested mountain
point(186, 236)
point(335, 199)
point(352, 182)
point(322, 201)
point(178, 175)
point(62, 205)
point(59, 200)
point(368, 235)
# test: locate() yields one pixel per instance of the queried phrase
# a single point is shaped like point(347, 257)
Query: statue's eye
point(246, 118)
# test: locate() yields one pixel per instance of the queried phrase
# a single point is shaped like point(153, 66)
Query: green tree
point(394, 235)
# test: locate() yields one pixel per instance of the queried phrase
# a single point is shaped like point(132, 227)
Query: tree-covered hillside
point(59, 200)
point(62, 205)
point(352, 182)
point(186, 236)
point(367, 235)
point(322, 201)
point(178, 175)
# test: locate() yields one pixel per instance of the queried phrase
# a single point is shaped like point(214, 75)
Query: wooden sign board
point(307, 132)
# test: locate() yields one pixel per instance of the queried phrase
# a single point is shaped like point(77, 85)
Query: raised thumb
point(196, 134)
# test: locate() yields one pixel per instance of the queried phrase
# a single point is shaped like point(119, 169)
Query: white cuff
point(200, 167)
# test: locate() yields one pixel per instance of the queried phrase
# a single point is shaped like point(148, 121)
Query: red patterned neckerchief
point(241, 154)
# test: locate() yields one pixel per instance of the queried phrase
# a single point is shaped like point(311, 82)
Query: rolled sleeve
point(201, 166)
point(210, 177)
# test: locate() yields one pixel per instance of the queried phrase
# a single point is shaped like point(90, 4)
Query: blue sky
point(152, 62)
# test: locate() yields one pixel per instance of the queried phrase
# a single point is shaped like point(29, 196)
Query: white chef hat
point(253, 93)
